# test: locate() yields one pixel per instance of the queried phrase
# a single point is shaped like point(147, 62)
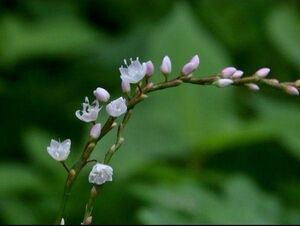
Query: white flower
point(59, 150)
point(89, 111)
point(100, 174)
point(135, 72)
point(117, 107)
point(62, 222)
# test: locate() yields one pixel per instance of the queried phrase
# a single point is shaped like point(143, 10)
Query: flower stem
point(139, 96)
point(65, 166)
point(77, 167)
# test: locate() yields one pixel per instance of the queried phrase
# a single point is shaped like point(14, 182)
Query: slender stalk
point(139, 96)
point(65, 166)
point(77, 167)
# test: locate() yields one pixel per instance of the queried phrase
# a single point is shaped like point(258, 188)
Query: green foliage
point(240, 202)
point(283, 31)
point(183, 160)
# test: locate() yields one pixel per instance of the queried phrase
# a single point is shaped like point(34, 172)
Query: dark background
point(192, 154)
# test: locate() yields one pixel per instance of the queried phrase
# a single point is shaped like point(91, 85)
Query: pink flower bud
point(187, 69)
point(125, 86)
point(291, 90)
point(228, 72)
point(237, 74)
point(191, 66)
point(95, 131)
point(252, 86)
point(149, 68)
point(223, 82)
point(166, 65)
point(263, 72)
point(195, 60)
point(101, 94)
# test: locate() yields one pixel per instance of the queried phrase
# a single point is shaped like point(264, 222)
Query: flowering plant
point(139, 76)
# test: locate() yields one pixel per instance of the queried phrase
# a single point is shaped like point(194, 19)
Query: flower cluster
point(229, 74)
point(136, 84)
point(134, 74)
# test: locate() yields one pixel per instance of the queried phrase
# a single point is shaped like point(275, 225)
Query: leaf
point(283, 119)
point(17, 178)
point(240, 202)
point(51, 36)
point(18, 212)
point(162, 216)
point(283, 30)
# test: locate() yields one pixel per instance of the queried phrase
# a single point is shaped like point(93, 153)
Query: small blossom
point(100, 174)
point(252, 86)
point(263, 72)
point(149, 68)
point(166, 65)
point(228, 72)
point(237, 74)
point(125, 86)
point(95, 131)
point(291, 90)
point(223, 82)
point(191, 66)
point(101, 94)
point(133, 73)
point(89, 112)
point(117, 107)
point(59, 150)
point(62, 222)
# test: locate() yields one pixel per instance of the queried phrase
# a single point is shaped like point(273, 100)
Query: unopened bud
point(263, 72)
point(228, 72)
point(273, 82)
point(166, 65)
point(114, 124)
point(150, 85)
point(252, 86)
point(149, 68)
point(191, 66)
point(95, 131)
point(237, 74)
point(291, 90)
point(121, 140)
point(125, 86)
point(223, 82)
point(72, 173)
point(144, 96)
point(101, 94)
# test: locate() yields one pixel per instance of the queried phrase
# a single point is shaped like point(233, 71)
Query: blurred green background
point(192, 154)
